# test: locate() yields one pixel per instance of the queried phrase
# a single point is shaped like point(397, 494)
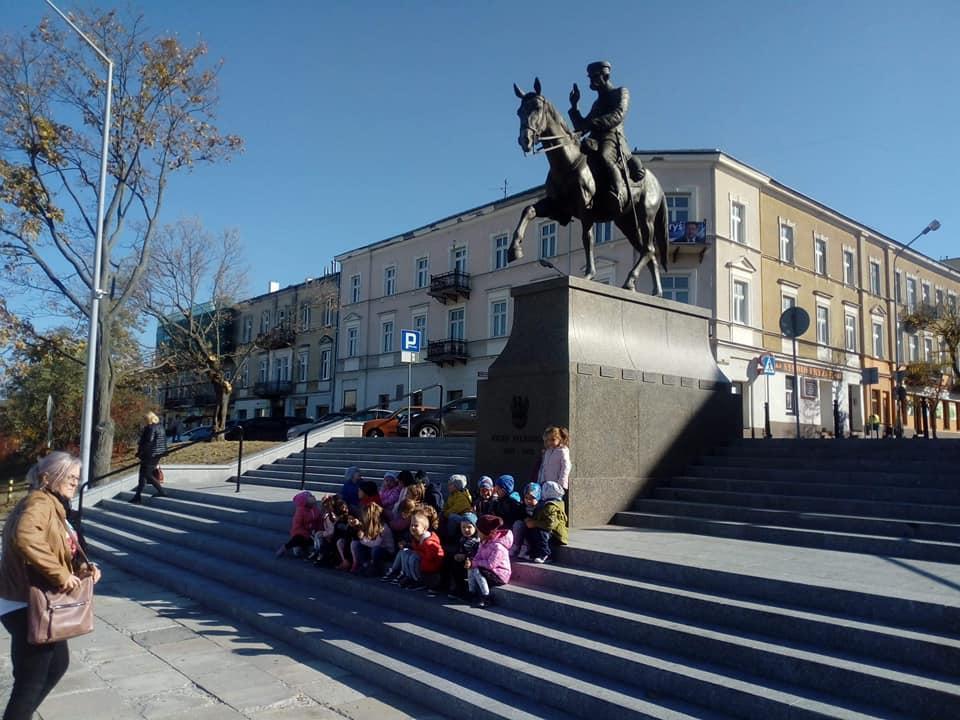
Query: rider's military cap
point(596, 68)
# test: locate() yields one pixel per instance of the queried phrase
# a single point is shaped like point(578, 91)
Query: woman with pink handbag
point(40, 558)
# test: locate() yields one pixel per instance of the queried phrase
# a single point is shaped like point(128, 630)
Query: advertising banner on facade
point(691, 232)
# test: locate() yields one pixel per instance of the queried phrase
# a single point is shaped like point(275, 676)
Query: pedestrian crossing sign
point(767, 365)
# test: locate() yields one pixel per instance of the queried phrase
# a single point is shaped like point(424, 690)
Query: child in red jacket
point(424, 558)
point(306, 519)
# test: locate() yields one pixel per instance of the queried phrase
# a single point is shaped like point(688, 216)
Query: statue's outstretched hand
point(574, 96)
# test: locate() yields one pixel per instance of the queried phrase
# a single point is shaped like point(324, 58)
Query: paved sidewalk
point(160, 656)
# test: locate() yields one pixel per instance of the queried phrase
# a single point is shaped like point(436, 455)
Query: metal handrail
point(78, 515)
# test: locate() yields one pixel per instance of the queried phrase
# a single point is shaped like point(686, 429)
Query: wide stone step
point(799, 503)
point(574, 595)
point(920, 448)
point(254, 478)
point(358, 457)
point(541, 679)
point(445, 690)
point(376, 469)
point(831, 465)
point(882, 493)
point(833, 522)
point(825, 540)
point(846, 477)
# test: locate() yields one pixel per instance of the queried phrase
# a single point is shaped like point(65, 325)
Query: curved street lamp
point(898, 374)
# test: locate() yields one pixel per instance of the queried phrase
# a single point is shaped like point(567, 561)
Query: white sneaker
point(540, 560)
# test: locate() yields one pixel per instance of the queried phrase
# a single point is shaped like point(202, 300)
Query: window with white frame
point(422, 270)
point(265, 321)
point(281, 369)
point(501, 244)
point(263, 370)
point(386, 336)
point(786, 242)
point(820, 255)
point(602, 232)
point(329, 312)
point(353, 341)
point(898, 286)
point(390, 280)
point(787, 302)
point(738, 222)
point(952, 300)
point(877, 339)
point(875, 277)
point(913, 343)
point(456, 324)
point(355, 288)
point(925, 293)
point(938, 297)
point(678, 207)
point(458, 259)
point(790, 396)
point(420, 323)
point(676, 287)
point(303, 365)
point(324, 364)
point(245, 375)
point(911, 292)
point(899, 341)
point(741, 302)
point(247, 329)
point(849, 267)
point(850, 332)
point(548, 240)
point(498, 318)
point(823, 325)
point(928, 349)
point(305, 315)
point(281, 317)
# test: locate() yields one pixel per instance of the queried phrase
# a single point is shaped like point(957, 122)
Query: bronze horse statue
point(572, 193)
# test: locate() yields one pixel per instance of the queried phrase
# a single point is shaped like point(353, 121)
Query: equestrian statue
point(593, 175)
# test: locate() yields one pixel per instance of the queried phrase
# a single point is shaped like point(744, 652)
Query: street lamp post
point(86, 425)
point(898, 376)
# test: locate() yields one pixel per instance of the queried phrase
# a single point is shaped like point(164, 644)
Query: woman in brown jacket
point(38, 547)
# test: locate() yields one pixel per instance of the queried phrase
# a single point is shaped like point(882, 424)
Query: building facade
point(759, 248)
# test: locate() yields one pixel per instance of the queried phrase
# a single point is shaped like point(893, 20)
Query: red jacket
point(305, 519)
point(431, 553)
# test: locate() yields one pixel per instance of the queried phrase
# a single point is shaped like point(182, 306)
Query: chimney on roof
point(273, 286)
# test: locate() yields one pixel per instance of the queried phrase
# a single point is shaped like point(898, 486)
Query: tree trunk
point(101, 450)
point(220, 414)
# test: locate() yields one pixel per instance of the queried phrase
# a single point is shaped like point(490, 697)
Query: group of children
point(456, 543)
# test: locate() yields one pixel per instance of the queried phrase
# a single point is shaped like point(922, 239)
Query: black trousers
point(36, 668)
point(147, 470)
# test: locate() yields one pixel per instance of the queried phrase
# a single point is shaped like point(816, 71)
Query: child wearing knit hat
point(458, 502)
point(548, 526)
point(509, 506)
point(455, 559)
point(490, 567)
point(531, 498)
point(485, 501)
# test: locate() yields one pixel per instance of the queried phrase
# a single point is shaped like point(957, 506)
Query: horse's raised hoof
point(514, 252)
point(629, 285)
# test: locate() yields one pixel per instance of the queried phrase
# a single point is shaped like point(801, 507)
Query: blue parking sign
point(410, 340)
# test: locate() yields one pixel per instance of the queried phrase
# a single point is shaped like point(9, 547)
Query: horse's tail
point(661, 231)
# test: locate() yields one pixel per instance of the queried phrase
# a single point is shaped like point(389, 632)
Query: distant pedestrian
point(152, 447)
point(874, 422)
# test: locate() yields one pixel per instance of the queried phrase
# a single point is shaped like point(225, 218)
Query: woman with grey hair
point(39, 548)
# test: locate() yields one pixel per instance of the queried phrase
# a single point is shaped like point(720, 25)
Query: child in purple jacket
point(491, 565)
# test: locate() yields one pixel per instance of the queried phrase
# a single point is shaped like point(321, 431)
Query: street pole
point(86, 424)
point(897, 335)
point(796, 387)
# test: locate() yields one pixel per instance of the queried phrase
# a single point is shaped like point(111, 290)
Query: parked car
point(459, 417)
point(204, 432)
point(387, 426)
point(329, 418)
point(269, 428)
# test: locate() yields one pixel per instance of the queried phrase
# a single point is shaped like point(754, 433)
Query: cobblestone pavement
point(160, 656)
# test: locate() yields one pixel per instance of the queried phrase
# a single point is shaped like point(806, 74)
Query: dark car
point(204, 432)
point(269, 428)
point(459, 417)
point(330, 418)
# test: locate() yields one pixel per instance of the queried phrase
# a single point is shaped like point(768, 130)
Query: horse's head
point(533, 115)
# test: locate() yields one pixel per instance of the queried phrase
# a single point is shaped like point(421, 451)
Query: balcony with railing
point(272, 388)
point(452, 286)
point(450, 351)
point(281, 336)
point(187, 396)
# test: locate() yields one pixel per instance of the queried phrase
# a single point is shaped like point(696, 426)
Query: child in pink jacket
point(306, 519)
point(491, 565)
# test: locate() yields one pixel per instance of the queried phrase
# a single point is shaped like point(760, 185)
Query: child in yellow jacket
point(458, 502)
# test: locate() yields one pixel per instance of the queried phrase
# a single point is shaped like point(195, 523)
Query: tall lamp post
point(898, 375)
point(86, 425)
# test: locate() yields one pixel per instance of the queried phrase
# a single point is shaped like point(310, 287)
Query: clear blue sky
point(365, 119)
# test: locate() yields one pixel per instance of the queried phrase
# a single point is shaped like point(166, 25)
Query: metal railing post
point(239, 457)
point(303, 465)
point(440, 406)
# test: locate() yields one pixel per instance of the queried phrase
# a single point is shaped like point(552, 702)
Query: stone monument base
point(632, 376)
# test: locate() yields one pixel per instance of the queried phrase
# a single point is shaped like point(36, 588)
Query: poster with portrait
point(689, 232)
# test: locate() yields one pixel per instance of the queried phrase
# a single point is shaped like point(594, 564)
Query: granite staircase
point(610, 631)
point(884, 497)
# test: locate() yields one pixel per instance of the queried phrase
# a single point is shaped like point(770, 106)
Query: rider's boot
point(636, 169)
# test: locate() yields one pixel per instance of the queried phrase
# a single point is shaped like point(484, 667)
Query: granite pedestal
point(632, 376)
